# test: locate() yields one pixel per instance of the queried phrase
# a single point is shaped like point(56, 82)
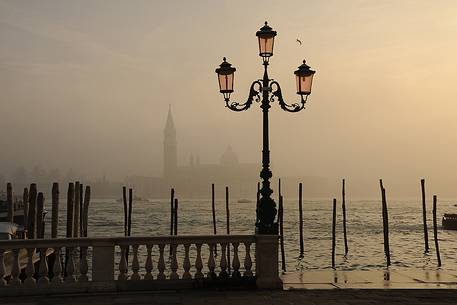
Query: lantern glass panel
point(226, 82)
point(304, 84)
point(266, 46)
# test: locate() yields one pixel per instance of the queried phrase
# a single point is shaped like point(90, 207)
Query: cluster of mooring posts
point(78, 202)
point(174, 203)
point(384, 211)
point(30, 215)
point(385, 221)
point(30, 212)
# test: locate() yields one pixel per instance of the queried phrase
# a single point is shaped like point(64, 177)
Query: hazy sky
point(87, 84)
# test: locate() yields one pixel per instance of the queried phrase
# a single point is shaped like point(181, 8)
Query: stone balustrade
point(137, 263)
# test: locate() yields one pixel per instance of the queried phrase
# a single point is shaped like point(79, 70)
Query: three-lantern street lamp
point(265, 91)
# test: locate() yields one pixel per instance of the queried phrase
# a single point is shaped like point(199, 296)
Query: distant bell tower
point(170, 152)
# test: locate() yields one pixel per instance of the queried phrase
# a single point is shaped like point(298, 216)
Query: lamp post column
point(266, 207)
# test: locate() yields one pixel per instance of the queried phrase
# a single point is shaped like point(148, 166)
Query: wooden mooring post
point(435, 232)
point(129, 222)
point(39, 216)
point(279, 188)
point(258, 193)
point(424, 216)
point(54, 220)
point(86, 209)
point(385, 223)
point(281, 226)
point(129, 228)
point(55, 210)
point(9, 199)
point(70, 219)
point(81, 209)
point(343, 205)
point(25, 201)
point(227, 215)
point(76, 208)
point(176, 216)
point(300, 215)
point(213, 208)
point(70, 209)
point(172, 215)
point(32, 211)
point(333, 233)
point(172, 200)
point(281, 232)
point(124, 200)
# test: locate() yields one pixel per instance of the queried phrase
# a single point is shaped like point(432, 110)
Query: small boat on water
point(18, 209)
point(135, 199)
point(243, 200)
point(449, 221)
point(8, 231)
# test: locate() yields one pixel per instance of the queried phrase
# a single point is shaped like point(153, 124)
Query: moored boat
point(9, 231)
point(135, 199)
point(244, 200)
point(449, 221)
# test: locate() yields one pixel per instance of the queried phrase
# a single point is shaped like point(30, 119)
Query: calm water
point(364, 225)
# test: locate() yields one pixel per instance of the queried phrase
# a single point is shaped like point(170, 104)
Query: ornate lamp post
point(265, 91)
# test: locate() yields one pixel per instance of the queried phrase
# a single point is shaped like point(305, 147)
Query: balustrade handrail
point(92, 241)
point(192, 257)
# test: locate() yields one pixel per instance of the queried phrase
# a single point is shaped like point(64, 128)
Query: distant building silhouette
point(170, 150)
point(194, 179)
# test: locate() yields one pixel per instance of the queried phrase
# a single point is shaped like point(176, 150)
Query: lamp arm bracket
point(253, 96)
point(277, 94)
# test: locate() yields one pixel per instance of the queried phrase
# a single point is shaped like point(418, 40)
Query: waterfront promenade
point(314, 287)
point(256, 297)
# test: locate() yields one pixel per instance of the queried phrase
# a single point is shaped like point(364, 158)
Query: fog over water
point(86, 85)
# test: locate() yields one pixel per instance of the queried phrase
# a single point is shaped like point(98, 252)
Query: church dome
point(229, 157)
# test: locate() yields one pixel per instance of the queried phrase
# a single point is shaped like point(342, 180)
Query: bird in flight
point(299, 41)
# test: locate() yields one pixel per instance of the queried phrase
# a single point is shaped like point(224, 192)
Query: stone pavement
point(373, 279)
point(256, 297)
point(313, 287)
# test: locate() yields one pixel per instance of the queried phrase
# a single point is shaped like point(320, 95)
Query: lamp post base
point(266, 256)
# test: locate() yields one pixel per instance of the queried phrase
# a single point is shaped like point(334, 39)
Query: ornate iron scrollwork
point(295, 107)
point(253, 96)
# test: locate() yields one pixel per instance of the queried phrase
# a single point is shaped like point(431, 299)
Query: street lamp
point(265, 91)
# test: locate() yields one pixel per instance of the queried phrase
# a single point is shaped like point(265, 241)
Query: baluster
point(135, 264)
point(148, 265)
point(43, 269)
point(161, 263)
point(123, 265)
point(57, 268)
point(223, 262)
point(30, 269)
point(83, 267)
point(211, 262)
point(247, 260)
point(2, 269)
point(199, 262)
point(174, 263)
point(15, 271)
point(186, 263)
point(70, 267)
point(236, 261)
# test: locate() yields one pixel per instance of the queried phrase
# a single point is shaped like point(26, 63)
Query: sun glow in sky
point(87, 84)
